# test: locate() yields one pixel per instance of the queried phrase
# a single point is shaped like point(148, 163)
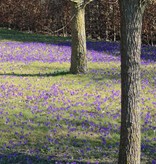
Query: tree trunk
point(78, 57)
point(131, 12)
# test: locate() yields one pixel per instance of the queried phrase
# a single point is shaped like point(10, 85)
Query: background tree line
point(48, 16)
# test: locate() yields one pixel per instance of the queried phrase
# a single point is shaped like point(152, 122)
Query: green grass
point(51, 75)
point(27, 134)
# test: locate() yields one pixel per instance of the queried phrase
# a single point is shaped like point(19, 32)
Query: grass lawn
point(48, 115)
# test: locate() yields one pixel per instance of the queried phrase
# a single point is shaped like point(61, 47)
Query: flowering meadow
point(48, 115)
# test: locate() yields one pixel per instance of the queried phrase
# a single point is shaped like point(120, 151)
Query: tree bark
point(78, 57)
point(131, 12)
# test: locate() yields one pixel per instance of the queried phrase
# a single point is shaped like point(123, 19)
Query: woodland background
point(49, 16)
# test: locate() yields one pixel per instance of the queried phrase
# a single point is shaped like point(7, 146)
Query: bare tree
point(78, 56)
point(131, 26)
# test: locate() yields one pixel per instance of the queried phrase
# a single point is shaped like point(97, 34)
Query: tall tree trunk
point(78, 57)
point(131, 12)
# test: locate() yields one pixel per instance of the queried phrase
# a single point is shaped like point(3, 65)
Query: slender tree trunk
point(131, 25)
point(78, 57)
point(114, 25)
point(107, 23)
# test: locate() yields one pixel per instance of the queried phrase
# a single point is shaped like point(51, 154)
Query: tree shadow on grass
point(40, 154)
point(113, 49)
point(61, 73)
point(62, 152)
point(17, 157)
point(102, 74)
point(22, 158)
point(90, 76)
point(40, 145)
point(93, 74)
